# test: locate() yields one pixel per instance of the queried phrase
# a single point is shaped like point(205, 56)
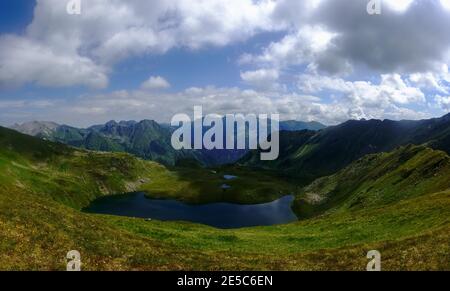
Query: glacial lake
point(220, 215)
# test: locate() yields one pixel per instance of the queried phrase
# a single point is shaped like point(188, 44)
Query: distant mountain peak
point(111, 123)
point(148, 121)
point(127, 123)
point(35, 128)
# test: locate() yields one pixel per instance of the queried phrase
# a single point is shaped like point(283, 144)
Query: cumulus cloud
point(335, 36)
point(155, 83)
point(332, 36)
point(139, 104)
point(438, 81)
point(443, 102)
point(413, 41)
point(407, 48)
point(301, 47)
point(23, 60)
point(262, 78)
point(80, 49)
point(392, 90)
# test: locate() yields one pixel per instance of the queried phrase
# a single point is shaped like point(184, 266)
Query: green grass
point(43, 186)
point(331, 231)
point(378, 180)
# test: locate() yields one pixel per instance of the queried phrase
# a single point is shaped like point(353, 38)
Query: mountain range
point(146, 139)
point(307, 150)
point(307, 155)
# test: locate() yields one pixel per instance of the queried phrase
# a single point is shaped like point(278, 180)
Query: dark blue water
point(220, 215)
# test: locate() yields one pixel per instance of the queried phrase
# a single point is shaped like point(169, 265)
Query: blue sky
point(316, 60)
point(15, 15)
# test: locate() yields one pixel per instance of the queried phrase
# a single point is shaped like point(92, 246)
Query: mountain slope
point(146, 139)
point(67, 175)
point(378, 180)
point(334, 148)
point(36, 128)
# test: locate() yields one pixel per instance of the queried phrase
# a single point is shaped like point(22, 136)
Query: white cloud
point(445, 4)
point(126, 105)
point(398, 91)
point(398, 5)
point(438, 81)
point(155, 83)
point(328, 35)
point(262, 78)
point(23, 60)
point(310, 83)
point(428, 81)
point(336, 36)
point(443, 102)
point(391, 90)
point(67, 50)
point(301, 47)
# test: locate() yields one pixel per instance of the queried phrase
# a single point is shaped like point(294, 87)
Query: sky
point(312, 60)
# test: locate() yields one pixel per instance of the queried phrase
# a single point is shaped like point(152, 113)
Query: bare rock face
point(35, 128)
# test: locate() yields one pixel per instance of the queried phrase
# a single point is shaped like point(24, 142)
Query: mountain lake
point(219, 215)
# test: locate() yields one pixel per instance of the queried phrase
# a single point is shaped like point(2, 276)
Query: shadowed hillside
point(333, 148)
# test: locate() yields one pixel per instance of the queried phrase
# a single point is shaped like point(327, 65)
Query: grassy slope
point(69, 176)
point(42, 185)
point(378, 180)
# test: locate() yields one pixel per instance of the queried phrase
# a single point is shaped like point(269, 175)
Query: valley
point(197, 185)
point(396, 202)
